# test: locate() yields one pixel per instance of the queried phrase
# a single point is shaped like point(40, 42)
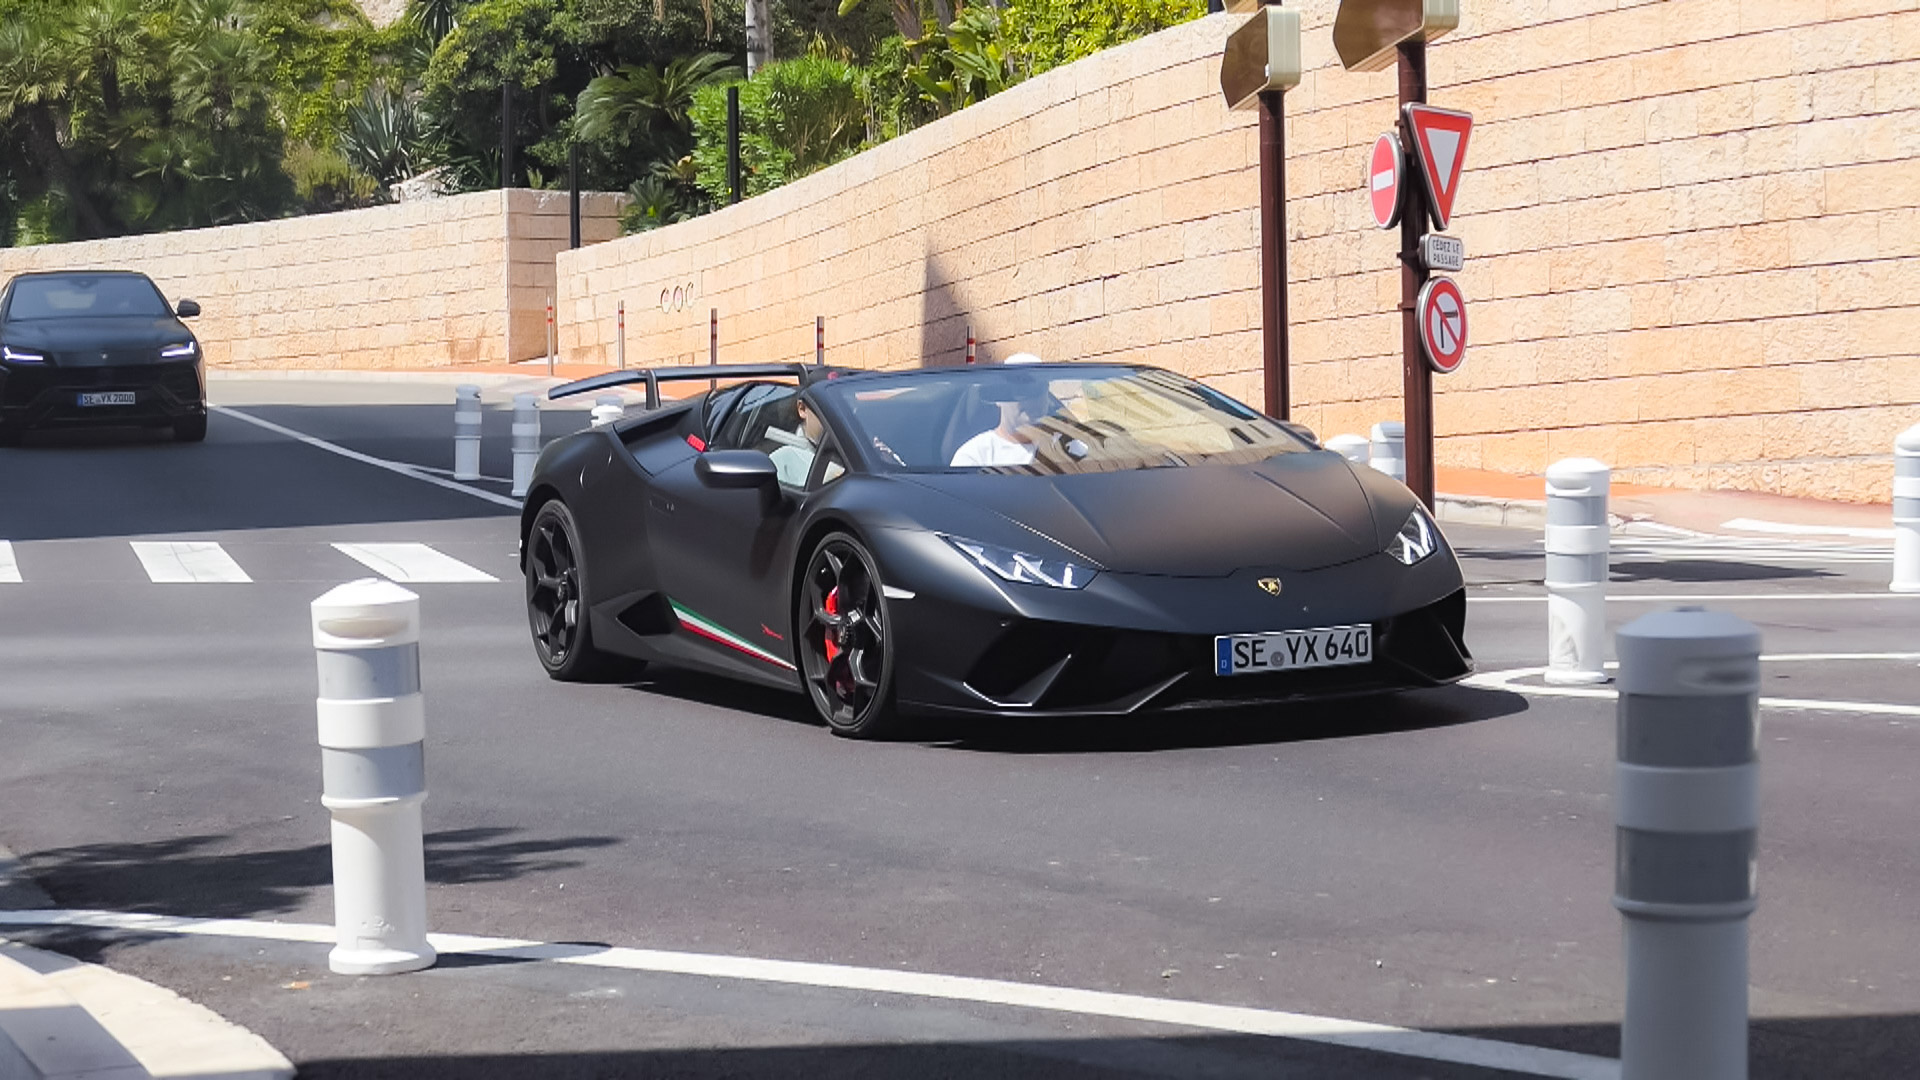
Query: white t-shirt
point(992, 448)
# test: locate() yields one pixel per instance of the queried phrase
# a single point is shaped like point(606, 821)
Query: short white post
point(1355, 448)
point(620, 334)
point(1577, 543)
point(526, 442)
point(366, 637)
point(466, 432)
point(1387, 451)
point(607, 408)
point(1906, 511)
point(1687, 814)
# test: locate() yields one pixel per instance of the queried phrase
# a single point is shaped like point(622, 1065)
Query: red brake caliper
point(832, 605)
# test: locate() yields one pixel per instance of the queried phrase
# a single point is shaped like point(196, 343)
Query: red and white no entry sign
point(1384, 172)
point(1443, 325)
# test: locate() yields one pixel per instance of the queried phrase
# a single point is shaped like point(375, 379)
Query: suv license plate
point(1293, 650)
point(114, 397)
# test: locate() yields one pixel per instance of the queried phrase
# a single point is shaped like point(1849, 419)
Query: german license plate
point(110, 397)
point(1293, 650)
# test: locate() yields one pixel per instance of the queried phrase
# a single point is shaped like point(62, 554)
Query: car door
point(722, 552)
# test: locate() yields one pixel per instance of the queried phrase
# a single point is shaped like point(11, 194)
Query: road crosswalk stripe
point(197, 561)
point(412, 563)
point(9, 569)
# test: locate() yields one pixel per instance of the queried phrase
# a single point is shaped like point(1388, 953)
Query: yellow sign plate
point(1367, 33)
point(1264, 54)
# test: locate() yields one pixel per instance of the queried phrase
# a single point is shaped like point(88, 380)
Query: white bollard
point(1388, 450)
point(1906, 511)
point(526, 442)
point(366, 637)
point(1354, 448)
point(466, 432)
point(1577, 571)
point(608, 408)
point(1687, 817)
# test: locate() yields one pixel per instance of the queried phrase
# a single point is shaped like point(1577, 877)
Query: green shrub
point(1040, 35)
point(796, 117)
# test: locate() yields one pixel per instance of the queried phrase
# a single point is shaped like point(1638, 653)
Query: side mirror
point(186, 309)
point(1301, 430)
point(736, 469)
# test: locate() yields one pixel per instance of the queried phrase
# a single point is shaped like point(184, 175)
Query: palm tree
point(35, 77)
point(643, 101)
point(106, 32)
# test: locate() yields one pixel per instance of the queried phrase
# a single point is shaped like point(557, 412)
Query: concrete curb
point(1485, 510)
point(61, 1019)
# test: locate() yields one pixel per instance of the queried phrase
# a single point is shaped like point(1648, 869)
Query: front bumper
point(47, 395)
point(1140, 643)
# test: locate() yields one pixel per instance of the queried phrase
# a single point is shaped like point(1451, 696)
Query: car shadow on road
point(1344, 718)
point(1785, 1048)
point(204, 876)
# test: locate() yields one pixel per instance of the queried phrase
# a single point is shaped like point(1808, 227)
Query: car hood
point(1296, 511)
point(67, 337)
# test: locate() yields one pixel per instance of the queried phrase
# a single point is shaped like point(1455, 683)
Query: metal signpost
point(1262, 61)
point(1368, 35)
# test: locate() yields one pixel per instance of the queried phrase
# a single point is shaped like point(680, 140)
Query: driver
point(793, 458)
point(1010, 442)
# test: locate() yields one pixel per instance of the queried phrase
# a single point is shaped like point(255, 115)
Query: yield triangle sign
point(1440, 145)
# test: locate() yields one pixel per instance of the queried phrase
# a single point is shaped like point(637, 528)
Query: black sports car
point(1047, 539)
point(98, 347)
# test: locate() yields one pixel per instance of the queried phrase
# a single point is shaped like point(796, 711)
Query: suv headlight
point(175, 352)
point(21, 356)
point(1416, 540)
point(1022, 568)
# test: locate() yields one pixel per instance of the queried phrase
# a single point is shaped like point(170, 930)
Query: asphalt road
point(1439, 861)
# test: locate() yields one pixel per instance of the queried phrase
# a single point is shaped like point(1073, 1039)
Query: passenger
point(793, 460)
point(1011, 441)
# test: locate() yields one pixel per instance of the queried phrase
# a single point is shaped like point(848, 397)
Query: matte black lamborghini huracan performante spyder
point(1048, 539)
point(97, 347)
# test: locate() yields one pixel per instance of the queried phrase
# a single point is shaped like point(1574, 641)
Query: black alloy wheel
point(556, 597)
point(846, 650)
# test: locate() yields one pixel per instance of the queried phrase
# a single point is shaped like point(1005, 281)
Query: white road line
point(1355, 1034)
point(9, 569)
point(412, 563)
point(1509, 680)
point(199, 561)
point(1702, 598)
point(400, 467)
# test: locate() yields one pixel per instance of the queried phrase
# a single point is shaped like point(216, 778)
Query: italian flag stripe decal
point(707, 628)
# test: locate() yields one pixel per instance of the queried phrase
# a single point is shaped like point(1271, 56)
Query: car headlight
point(175, 352)
point(1416, 540)
point(21, 356)
point(1022, 568)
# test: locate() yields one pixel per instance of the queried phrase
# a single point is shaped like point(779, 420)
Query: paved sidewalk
point(61, 1019)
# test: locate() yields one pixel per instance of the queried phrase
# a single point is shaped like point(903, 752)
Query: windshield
point(79, 297)
point(1053, 419)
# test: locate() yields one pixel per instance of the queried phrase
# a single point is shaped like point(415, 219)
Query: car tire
point(191, 429)
point(556, 577)
point(845, 639)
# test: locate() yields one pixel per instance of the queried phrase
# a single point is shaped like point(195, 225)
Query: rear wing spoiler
point(653, 377)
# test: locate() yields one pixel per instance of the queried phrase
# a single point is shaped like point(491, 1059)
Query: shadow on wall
point(193, 875)
point(943, 319)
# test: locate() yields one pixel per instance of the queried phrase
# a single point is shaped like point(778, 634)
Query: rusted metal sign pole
point(1417, 378)
point(1273, 252)
point(1261, 62)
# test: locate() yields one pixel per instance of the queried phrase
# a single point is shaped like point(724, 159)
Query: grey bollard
point(1687, 814)
point(1577, 541)
point(466, 432)
point(608, 408)
point(1354, 448)
point(1906, 511)
point(1387, 451)
point(366, 637)
point(526, 442)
